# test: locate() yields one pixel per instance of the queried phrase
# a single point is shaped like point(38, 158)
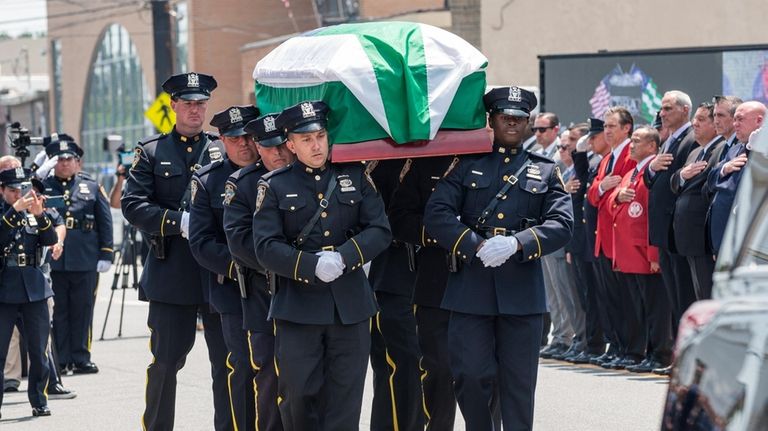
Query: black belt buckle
point(69, 222)
point(328, 248)
point(21, 259)
point(499, 231)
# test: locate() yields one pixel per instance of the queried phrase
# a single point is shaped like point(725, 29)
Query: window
point(182, 37)
point(115, 100)
point(337, 11)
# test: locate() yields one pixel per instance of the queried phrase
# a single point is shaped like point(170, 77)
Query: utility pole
point(161, 31)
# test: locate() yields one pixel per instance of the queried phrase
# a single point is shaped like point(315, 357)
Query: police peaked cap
point(190, 86)
point(596, 126)
point(232, 120)
point(515, 101)
point(305, 117)
point(62, 145)
point(265, 130)
point(16, 176)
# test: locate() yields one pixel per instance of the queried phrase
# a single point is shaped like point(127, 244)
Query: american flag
point(600, 101)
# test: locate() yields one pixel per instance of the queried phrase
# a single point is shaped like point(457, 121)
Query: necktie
point(702, 155)
point(609, 166)
point(634, 175)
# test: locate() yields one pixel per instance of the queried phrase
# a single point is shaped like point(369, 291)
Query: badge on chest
point(345, 184)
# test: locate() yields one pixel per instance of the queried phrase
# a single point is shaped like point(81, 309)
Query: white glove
point(330, 266)
point(185, 224)
point(103, 265)
point(582, 145)
point(45, 169)
point(496, 250)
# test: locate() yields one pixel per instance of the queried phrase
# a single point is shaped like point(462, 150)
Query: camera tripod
point(125, 267)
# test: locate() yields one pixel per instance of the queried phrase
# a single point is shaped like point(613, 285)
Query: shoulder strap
point(316, 216)
point(511, 181)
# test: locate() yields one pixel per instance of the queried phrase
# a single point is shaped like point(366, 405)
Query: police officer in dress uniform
point(315, 226)
point(209, 247)
point(24, 229)
point(239, 206)
point(397, 396)
point(87, 249)
point(155, 200)
point(497, 215)
point(407, 218)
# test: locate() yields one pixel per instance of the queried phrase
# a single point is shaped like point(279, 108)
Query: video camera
point(21, 140)
point(124, 155)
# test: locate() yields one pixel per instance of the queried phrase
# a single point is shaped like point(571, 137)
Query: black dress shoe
point(608, 365)
point(41, 411)
point(562, 355)
point(625, 363)
point(605, 357)
point(581, 358)
point(646, 366)
point(86, 368)
point(552, 349)
point(59, 392)
point(663, 371)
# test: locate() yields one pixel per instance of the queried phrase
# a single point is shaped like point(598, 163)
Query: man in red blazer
point(647, 313)
point(618, 129)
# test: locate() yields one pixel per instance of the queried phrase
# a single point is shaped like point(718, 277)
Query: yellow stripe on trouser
point(146, 380)
point(229, 389)
point(90, 324)
point(392, 365)
point(255, 368)
point(274, 360)
point(423, 374)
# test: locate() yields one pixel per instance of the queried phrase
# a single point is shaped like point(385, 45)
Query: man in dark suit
point(725, 177)
point(675, 115)
point(692, 203)
point(586, 158)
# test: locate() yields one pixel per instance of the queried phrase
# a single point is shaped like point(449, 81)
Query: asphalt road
point(568, 397)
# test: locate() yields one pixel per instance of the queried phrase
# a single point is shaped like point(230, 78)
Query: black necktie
point(702, 155)
point(634, 175)
point(609, 166)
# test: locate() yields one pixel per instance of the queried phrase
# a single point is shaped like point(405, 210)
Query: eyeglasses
point(541, 129)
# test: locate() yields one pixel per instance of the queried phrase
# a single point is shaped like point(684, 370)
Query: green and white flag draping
point(381, 79)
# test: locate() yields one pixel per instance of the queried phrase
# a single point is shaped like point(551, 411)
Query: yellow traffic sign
point(161, 114)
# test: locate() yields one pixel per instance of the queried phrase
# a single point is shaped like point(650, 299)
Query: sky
point(18, 16)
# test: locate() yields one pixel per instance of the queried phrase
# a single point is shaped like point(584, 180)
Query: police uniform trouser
point(36, 330)
point(240, 375)
point(262, 358)
point(395, 364)
point(173, 328)
point(436, 380)
point(321, 374)
point(73, 315)
point(490, 355)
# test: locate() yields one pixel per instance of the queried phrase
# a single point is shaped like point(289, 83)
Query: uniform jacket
point(724, 189)
point(407, 218)
point(20, 285)
point(604, 230)
point(692, 204)
point(536, 209)
point(88, 219)
point(633, 254)
point(584, 213)
point(207, 239)
point(390, 272)
point(354, 224)
point(661, 202)
point(162, 169)
point(238, 228)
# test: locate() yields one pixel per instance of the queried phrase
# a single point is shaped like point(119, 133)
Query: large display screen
point(579, 86)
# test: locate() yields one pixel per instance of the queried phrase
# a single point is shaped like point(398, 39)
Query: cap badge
point(307, 110)
point(269, 124)
point(235, 116)
point(63, 146)
point(515, 95)
point(19, 173)
point(193, 80)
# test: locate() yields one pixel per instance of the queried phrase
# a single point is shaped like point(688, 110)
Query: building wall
point(80, 34)
point(514, 33)
point(373, 9)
